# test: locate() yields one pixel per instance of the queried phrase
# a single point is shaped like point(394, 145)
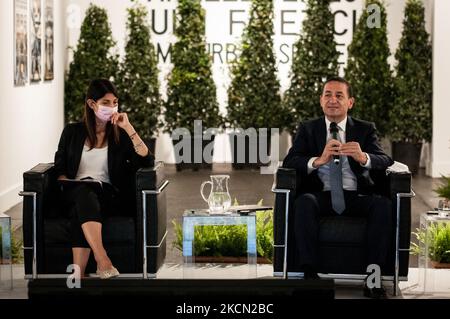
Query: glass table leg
point(188, 249)
point(5, 253)
point(251, 247)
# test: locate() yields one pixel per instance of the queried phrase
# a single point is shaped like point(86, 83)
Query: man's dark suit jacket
point(311, 140)
point(123, 161)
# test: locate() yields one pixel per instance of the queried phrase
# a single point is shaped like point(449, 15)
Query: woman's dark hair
point(97, 89)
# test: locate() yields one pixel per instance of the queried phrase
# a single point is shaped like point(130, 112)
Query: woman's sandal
point(109, 273)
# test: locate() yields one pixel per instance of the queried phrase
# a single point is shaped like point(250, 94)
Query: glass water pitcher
point(219, 199)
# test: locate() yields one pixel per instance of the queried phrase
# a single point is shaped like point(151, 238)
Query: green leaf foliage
point(410, 116)
point(92, 59)
point(191, 92)
point(254, 94)
point(138, 78)
point(16, 248)
point(368, 70)
point(230, 241)
point(315, 60)
point(444, 189)
point(438, 242)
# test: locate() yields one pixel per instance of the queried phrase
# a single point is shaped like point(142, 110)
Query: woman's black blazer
point(123, 161)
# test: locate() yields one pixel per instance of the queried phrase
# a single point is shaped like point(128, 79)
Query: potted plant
point(138, 78)
point(410, 116)
point(437, 236)
point(254, 94)
point(228, 244)
point(315, 60)
point(191, 91)
point(92, 59)
point(368, 68)
point(438, 239)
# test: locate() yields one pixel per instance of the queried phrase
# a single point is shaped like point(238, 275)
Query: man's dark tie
point(336, 187)
point(337, 191)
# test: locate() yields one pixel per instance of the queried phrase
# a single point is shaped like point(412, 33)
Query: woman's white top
point(94, 163)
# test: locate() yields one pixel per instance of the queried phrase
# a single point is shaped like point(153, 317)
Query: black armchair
point(47, 250)
point(342, 239)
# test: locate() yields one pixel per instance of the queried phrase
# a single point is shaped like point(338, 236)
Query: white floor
point(412, 289)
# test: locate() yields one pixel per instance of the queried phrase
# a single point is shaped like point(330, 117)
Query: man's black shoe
point(375, 293)
point(310, 273)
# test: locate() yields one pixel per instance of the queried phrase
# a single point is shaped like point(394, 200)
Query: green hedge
point(230, 241)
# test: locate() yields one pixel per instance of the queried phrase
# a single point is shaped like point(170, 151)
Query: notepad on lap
point(94, 183)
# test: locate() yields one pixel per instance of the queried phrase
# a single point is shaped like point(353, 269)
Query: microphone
point(334, 130)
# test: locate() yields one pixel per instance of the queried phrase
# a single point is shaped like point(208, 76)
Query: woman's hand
point(62, 177)
point(121, 119)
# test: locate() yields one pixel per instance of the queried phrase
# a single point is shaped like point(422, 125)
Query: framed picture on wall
point(48, 42)
point(36, 40)
point(20, 42)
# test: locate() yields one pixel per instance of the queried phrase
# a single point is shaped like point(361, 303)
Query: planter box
point(228, 260)
point(438, 265)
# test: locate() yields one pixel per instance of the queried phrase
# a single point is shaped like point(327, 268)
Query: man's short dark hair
point(340, 80)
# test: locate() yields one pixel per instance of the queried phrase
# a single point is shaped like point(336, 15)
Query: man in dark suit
point(333, 156)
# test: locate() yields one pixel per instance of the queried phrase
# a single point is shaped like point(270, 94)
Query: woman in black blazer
point(106, 147)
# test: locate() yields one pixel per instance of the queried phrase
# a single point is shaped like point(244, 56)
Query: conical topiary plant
point(410, 117)
point(191, 91)
point(138, 80)
point(92, 59)
point(254, 100)
point(254, 95)
point(368, 70)
point(315, 60)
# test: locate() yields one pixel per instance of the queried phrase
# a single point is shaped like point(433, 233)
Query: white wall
point(31, 117)
point(440, 150)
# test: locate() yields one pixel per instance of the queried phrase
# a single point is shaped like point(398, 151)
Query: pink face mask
point(105, 113)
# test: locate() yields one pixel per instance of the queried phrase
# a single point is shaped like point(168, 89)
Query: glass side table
point(201, 217)
point(428, 279)
point(5, 252)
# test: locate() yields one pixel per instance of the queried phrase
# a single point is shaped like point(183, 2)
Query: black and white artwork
point(20, 42)
point(48, 49)
point(36, 40)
